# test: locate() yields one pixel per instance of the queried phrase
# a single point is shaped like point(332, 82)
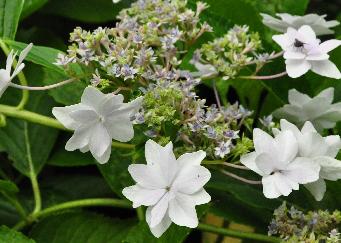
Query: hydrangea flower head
point(317, 22)
point(97, 120)
point(304, 52)
point(170, 187)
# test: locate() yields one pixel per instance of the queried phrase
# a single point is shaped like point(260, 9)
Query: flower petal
point(329, 45)
point(263, 142)
point(92, 97)
point(79, 139)
point(99, 140)
point(276, 185)
point(334, 145)
point(330, 168)
point(159, 229)
point(162, 158)
point(297, 98)
point(249, 160)
point(63, 115)
point(147, 176)
point(159, 210)
point(287, 146)
point(201, 197)
point(325, 68)
point(182, 211)
point(307, 32)
point(297, 68)
point(142, 196)
point(119, 126)
point(190, 159)
point(317, 189)
point(191, 179)
point(302, 170)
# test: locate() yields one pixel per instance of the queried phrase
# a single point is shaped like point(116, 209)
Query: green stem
point(140, 214)
point(21, 77)
point(30, 116)
point(95, 202)
point(47, 121)
point(238, 234)
point(33, 176)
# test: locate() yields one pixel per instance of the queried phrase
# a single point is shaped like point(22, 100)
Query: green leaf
point(8, 213)
point(8, 186)
point(63, 187)
point(8, 235)
point(80, 227)
point(30, 6)
point(10, 11)
point(88, 11)
point(64, 158)
point(68, 94)
point(20, 137)
point(140, 233)
point(115, 171)
point(41, 55)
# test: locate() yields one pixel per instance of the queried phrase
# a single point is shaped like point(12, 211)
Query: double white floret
point(275, 159)
point(5, 74)
point(304, 52)
point(317, 22)
point(319, 110)
point(170, 187)
point(97, 120)
point(322, 150)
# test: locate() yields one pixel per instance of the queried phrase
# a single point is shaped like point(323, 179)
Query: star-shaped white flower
point(275, 159)
point(322, 150)
point(97, 120)
point(317, 22)
point(319, 110)
point(304, 52)
point(170, 187)
point(5, 74)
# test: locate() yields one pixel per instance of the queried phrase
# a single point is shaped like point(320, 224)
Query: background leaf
point(8, 235)
point(80, 227)
point(41, 55)
point(10, 11)
point(31, 6)
point(89, 11)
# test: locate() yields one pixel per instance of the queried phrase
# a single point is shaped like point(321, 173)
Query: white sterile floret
point(5, 74)
point(317, 22)
point(319, 110)
point(170, 187)
point(97, 120)
point(322, 150)
point(275, 159)
point(304, 52)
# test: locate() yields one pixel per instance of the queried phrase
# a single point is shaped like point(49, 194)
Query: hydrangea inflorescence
point(293, 225)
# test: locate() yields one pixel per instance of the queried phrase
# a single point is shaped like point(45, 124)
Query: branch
point(52, 86)
point(238, 234)
point(47, 121)
point(265, 77)
point(241, 178)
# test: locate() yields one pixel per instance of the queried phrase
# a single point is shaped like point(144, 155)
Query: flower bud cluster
point(293, 225)
point(149, 33)
point(230, 53)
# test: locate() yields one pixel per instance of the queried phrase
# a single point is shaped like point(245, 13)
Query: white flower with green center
point(319, 110)
point(317, 22)
point(170, 187)
point(275, 159)
point(322, 150)
point(97, 120)
point(304, 52)
point(5, 74)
